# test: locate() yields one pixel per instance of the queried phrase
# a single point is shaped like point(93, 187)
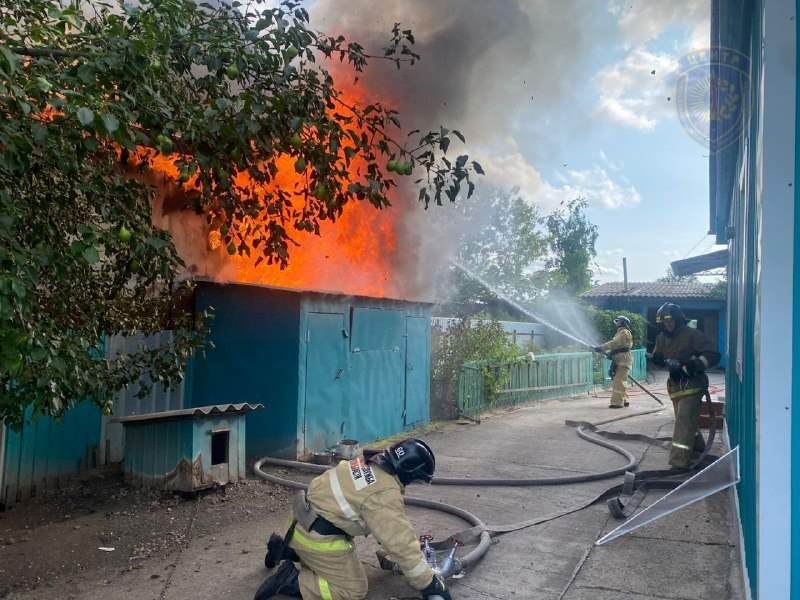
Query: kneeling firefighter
point(686, 353)
point(618, 350)
point(358, 497)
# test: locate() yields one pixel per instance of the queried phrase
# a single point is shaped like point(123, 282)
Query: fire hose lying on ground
point(635, 486)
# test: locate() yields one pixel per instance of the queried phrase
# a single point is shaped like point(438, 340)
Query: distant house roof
point(653, 289)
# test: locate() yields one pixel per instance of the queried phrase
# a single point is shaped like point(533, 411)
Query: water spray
point(473, 275)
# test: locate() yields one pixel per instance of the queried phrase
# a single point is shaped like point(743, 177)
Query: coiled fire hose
point(480, 532)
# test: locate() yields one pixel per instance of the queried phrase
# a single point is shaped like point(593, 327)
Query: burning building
point(326, 366)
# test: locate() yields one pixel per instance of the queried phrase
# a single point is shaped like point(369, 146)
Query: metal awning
point(700, 263)
point(185, 413)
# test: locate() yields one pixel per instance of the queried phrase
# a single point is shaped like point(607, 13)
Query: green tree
point(91, 91)
point(505, 250)
point(571, 240)
point(670, 277)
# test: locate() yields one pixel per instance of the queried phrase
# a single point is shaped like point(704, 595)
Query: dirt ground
point(54, 541)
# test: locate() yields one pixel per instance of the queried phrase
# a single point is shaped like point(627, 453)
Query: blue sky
point(652, 206)
point(558, 98)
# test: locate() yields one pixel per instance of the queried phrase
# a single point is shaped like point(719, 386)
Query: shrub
point(604, 323)
point(471, 340)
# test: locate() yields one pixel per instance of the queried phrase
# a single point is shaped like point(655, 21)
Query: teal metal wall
point(734, 203)
point(377, 364)
point(325, 366)
point(47, 450)
point(255, 333)
point(795, 486)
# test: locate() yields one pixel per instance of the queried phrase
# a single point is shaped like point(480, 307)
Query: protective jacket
point(362, 498)
point(684, 344)
point(689, 346)
point(620, 347)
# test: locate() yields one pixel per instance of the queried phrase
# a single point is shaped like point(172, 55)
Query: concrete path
point(690, 555)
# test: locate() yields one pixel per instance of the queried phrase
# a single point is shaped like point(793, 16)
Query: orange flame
point(353, 255)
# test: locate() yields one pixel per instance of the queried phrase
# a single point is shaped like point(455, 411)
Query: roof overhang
point(698, 264)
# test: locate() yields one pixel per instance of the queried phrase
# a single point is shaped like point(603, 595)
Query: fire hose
point(480, 533)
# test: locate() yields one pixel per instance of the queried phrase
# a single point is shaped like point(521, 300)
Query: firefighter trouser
point(329, 567)
point(686, 437)
point(619, 393)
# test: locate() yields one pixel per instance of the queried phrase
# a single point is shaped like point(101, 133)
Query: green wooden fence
point(543, 377)
point(638, 370)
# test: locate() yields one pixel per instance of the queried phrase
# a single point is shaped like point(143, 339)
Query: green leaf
point(231, 248)
point(10, 59)
point(43, 84)
point(19, 289)
point(90, 255)
point(38, 354)
point(86, 74)
point(157, 242)
point(110, 122)
point(39, 132)
point(85, 116)
point(478, 168)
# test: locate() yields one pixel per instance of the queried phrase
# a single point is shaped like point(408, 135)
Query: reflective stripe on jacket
point(621, 339)
point(362, 498)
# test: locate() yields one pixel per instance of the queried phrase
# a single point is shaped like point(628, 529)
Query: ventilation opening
point(219, 447)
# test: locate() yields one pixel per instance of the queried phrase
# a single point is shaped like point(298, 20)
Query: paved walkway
point(690, 555)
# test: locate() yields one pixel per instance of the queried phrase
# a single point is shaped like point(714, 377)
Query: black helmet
point(670, 311)
point(622, 321)
point(411, 460)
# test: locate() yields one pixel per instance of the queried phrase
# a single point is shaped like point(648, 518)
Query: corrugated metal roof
point(184, 413)
point(653, 289)
point(700, 263)
point(208, 280)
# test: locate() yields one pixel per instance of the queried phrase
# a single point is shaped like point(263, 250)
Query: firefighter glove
point(436, 589)
point(597, 348)
point(658, 359)
point(677, 370)
point(694, 366)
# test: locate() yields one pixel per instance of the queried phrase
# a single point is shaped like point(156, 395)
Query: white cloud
point(630, 93)
point(594, 184)
point(634, 92)
point(604, 272)
point(614, 166)
point(612, 252)
point(641, 21)
point(671, 254)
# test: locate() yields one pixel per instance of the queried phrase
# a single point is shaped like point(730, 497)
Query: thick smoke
point(482, 62)
point(484, 65)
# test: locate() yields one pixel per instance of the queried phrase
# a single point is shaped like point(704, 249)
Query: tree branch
point(45, 52)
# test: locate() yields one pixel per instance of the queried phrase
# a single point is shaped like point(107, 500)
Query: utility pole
point(625, 273)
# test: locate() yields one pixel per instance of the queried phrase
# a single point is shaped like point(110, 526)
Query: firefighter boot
point(283, 582)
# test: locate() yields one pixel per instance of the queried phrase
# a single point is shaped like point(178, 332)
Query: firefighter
point(618, 350)
point(686, 353)
point(358, 497)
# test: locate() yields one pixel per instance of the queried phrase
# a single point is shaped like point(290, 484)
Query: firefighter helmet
point(622, 321)
point(411, 460)
point(670, 311)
